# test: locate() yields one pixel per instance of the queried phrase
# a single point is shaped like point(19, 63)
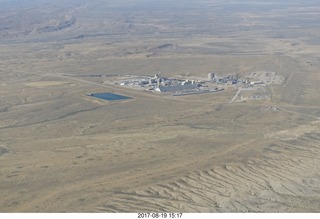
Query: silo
point(210, 76)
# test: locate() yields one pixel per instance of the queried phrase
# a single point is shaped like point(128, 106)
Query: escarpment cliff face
point(61, 25)
point(21, 20)
point(47, 20)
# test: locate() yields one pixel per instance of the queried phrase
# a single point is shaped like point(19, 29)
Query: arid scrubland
point(64, 151)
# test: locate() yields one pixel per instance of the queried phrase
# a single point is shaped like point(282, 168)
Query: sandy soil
point(63, 151)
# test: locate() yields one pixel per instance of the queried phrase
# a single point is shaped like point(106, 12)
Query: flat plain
point(64, 151)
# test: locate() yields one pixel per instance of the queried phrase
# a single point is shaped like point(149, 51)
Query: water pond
point(109, 96)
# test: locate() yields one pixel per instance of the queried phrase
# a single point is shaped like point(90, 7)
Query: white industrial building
point(176, 88)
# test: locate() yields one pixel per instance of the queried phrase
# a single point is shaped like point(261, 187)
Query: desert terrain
point(64, 151)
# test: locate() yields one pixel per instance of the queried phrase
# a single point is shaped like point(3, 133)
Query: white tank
point(210, 76)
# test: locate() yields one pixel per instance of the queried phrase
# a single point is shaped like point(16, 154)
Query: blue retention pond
point(109, 96)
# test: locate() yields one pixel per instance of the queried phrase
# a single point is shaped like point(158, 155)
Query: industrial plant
point(174, 86)
point(187, 86)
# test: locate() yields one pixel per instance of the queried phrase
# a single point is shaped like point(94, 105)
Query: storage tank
point(210, 76)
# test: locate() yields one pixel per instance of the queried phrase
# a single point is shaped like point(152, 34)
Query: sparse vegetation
point(63, 151)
